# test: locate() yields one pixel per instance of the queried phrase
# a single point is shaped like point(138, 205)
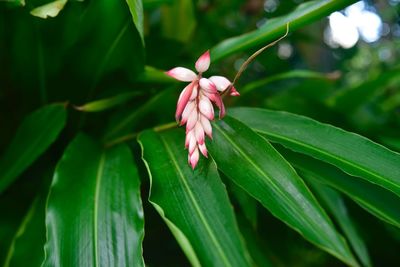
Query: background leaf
point(178, 20)
point(34, 135)
point(253, 164)
point(102, 224)
point(107, 103)
point(274, 28)
point(194, 204)
point(136, 9)
point(49, 10)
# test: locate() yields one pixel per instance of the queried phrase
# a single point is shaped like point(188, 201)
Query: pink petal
point(206, 107)
point(203, 62)
point(186, 112)
point(199, 132)
point(220, 82)
point(207, 85)
point(206, 126)
point(216, 98)
point(183, 100)
point(203, 150)
point(194, 92)
point(188, 138)
point(234, 92)
point(192, 144)
point(192, 120)
point(194, 158)
point(182, 74)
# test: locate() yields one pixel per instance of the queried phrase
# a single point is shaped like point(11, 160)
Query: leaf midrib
point(99, 175)
point(197, 208)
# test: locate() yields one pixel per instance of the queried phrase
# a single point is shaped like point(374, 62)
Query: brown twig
point(255, 54)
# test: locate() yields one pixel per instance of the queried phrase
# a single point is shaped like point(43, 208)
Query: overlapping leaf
point(350, 152)
point(253, 164)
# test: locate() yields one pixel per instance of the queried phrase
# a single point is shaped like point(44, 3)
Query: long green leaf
point(194, 204)
point(378, 201)
point(27, 244)
point(336, 206)
point(136, 9)
point(35, 134)
point(94, 214)
point(253, 164)
point(304, 14)
point(350, 152)
point(107, 103)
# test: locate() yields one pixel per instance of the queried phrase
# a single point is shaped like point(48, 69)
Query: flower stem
point(255, 54)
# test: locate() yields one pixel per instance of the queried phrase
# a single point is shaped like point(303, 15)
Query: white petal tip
point(203, 63)
point(182, 74)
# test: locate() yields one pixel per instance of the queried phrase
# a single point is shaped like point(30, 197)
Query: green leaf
point(304, 74)
point(304, 14)
point(253, 164)
point(336, 206)
point(107, 103)
point(136, 9)
point(378, 201)
point(49, 10)
point(27, 244)
point(153, 75)
point(350, 152)
point(94, 212)
point(194, 204)
point(35, 134)
point(178, 20)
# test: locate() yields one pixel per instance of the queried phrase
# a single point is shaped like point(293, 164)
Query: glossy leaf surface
point(253, 164)
point(350, 152)
point(34, 135)
point(94, 214)
point(194, 204)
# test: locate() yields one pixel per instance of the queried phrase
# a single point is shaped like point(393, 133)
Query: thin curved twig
point(255, 54)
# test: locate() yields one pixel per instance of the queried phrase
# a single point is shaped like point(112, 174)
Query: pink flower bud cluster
point(195, 105)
